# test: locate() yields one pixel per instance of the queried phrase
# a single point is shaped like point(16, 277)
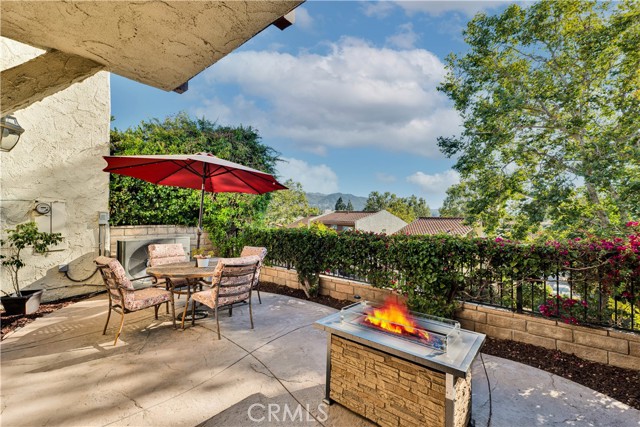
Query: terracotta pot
point(28, 303)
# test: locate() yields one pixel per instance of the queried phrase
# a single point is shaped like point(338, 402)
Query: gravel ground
point(620, 384)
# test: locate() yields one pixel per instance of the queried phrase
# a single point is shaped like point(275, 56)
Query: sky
point(347, 95)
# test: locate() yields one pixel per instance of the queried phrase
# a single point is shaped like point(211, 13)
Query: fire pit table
point(396, 367)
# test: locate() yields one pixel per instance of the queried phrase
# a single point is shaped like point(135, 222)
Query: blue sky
point(347, 95)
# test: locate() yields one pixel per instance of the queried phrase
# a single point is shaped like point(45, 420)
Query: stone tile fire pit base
point(391, 391)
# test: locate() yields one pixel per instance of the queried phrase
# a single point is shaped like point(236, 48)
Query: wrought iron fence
point(573, 296)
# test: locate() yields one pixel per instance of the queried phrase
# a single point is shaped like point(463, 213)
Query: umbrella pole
point(200, 217)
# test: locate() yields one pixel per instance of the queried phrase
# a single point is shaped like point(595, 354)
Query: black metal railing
point(569, 295)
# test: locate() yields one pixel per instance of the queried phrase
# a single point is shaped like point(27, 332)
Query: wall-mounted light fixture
point(11, 132)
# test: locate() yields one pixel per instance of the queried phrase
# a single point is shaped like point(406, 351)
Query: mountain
point(328, 201)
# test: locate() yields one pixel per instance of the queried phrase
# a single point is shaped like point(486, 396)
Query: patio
point(60, 370)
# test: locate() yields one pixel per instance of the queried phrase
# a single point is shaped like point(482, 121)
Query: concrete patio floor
point(60, 370)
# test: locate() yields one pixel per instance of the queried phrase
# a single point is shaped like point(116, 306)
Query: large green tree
point(286, 206)
point(406, 208)
point(133, 201)
point(550, 99)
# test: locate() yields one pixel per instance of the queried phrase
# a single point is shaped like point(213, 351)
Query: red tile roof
point(437, 225)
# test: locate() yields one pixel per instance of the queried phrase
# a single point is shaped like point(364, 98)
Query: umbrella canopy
point(202, 171)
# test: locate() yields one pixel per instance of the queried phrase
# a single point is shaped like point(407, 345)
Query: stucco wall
point(59, 160)
point(381, 222)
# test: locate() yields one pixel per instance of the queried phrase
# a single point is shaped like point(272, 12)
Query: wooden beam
point(34, 80)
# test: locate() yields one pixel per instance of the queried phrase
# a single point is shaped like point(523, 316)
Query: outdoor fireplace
point(396, 367)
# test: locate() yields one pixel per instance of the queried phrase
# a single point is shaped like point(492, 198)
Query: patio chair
point(232, 282)
point(124, 298)
point(260, 252)
point(171, 253)
point(163, 254)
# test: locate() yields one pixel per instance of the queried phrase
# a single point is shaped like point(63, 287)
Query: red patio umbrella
point(202, 171)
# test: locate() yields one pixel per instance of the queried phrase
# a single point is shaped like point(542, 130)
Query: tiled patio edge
point(608, 346)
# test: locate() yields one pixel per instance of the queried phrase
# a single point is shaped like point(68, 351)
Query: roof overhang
point(158, 43)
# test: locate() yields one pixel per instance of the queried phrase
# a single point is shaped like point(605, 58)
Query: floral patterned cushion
point(117, 276)
point(230, 261)
point(226, 285)
point(166, 254)
point(208, 297)
point(260, 252)
point(144, 298)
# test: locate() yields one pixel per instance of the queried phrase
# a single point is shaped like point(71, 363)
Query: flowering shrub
point(563, 307)
point(435, 272)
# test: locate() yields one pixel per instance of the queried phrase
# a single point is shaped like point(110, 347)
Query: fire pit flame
point(395, 318)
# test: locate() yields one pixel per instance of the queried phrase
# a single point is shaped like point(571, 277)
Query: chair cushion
point(166, 254)
point(144, 298)
point(119, 275)
point(231, 261)
point(208, 297)
point(260, 252)
point(254, 250)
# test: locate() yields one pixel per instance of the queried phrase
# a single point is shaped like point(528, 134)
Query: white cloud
point(378, 9)
point(385, 177)
point(303, 19)
point(405, 38)
point(354, 95)
point(434, 183)
point(439, 7)
point(434, 186)
point(314, 178)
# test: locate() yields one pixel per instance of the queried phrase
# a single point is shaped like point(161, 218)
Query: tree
point(133, 201)
point(349, 206)
point(454, 204)
point(18, 239)
point(340, 206)
point(549, 97)
point(286, 206)
point(407, 208)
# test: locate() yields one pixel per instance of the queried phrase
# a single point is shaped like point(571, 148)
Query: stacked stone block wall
point(335, 287)
point(608, 346)
point(385, 389)
point(133, 232)
point(616, 348)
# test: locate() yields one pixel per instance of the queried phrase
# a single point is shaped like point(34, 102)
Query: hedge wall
point(434, 272)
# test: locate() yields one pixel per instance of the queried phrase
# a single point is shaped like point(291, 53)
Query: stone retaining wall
point(602, 345)
point(335, 287)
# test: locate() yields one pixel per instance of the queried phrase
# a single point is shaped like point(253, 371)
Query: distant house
point(302, 221)
point(376, 222)
point(439, 225)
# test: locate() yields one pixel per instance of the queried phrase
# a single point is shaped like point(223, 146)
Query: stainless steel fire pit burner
point(427, 331)
point(429, 367)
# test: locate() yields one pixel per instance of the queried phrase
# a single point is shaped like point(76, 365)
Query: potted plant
point(202, 257)
point(22, 237)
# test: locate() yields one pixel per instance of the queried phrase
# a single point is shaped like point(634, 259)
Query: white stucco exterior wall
point(58, 160)
point(380, 222)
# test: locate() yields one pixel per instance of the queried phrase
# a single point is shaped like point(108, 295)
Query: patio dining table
point(183, 270)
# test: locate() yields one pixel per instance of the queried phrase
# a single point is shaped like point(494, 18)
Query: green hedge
point(435, 272)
